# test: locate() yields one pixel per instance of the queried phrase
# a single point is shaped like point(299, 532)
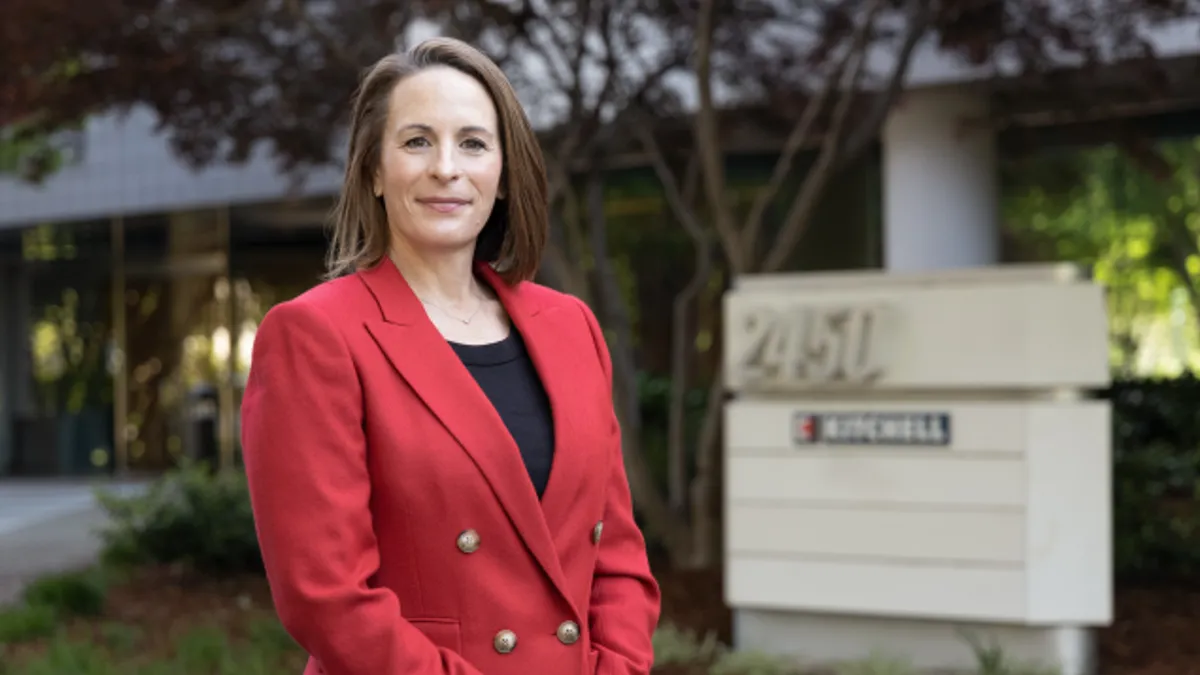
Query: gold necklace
point(466, 322)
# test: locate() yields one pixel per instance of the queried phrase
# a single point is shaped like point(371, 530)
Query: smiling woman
point(441, 162)
point(433, 458)
point(443, 110)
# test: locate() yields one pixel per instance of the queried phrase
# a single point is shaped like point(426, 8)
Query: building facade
point(129, 289)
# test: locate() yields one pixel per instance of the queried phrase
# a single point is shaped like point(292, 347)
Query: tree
point(1128, 213)
point(844, 101)
point(226, 77)
point(30, 153)
point(823, 79)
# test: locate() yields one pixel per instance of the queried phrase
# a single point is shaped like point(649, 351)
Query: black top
point(505, 373)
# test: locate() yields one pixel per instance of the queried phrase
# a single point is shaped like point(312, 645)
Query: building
point(130, 285)
point(125, 283)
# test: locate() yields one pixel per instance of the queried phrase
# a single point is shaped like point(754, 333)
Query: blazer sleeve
point(625, 598)
point(305, 457)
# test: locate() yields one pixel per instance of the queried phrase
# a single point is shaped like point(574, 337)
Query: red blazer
point(400, 530)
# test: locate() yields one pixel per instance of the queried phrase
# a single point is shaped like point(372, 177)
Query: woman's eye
point(417, 142)
point(474, 144)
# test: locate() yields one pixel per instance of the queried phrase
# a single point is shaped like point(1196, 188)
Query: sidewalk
point(46, 528)
point(60, 544)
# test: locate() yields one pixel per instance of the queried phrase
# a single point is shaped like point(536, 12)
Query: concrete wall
point(127, 168)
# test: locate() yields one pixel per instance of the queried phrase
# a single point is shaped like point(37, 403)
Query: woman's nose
point(445, 167)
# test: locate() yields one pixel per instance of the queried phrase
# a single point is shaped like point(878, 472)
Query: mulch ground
point(1156, 631)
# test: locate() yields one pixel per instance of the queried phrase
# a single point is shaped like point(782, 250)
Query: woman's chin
point(448, 242)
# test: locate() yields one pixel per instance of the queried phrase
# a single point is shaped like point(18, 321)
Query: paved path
point(47, 527)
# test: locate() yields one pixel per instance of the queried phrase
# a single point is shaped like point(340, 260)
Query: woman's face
point(441, 160)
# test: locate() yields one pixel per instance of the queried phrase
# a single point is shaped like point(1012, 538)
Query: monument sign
point(909, 457)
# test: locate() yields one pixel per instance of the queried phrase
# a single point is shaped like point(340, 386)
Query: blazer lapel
point(549, 334)
point(426, 361)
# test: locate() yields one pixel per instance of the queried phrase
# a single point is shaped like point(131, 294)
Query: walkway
point(47, 527)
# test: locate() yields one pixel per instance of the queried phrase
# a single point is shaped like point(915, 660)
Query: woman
point(433, 458)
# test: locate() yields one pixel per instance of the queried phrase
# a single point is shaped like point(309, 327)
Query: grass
point(119, 649)
point(154, 622)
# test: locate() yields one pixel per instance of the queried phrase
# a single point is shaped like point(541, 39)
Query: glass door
point(175, 319)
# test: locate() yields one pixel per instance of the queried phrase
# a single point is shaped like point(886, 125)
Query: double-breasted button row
point(468, 540)
point(506, 640)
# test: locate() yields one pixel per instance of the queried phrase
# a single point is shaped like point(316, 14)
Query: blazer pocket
point(444, 633)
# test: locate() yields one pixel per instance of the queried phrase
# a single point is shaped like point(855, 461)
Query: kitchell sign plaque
point(871, 428)
point(909, 457)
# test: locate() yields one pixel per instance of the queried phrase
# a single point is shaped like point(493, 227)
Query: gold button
point(505, 641)
point(596, 531)
point(468, 541)
point(568, 632)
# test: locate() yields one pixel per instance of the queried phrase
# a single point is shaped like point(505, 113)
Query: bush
point(1156, 480)
point(191, 516)
point(69, 594)
point(683, 650)
point(49, 600)
point(26, 622)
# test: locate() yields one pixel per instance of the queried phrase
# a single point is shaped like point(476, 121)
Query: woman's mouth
point(444, 204)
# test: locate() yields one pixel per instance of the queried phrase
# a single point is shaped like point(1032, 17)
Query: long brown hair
point(515, 233)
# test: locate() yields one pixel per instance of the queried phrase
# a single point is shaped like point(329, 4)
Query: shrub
point(191, 516)
point(64, 656)
point(1156, 479)
point(69, 594)
point(48, 600)
point(26, 622)
point(684, 649)
point(753, 663)
point(990, 659)
point(205, 649)
point(878, 663)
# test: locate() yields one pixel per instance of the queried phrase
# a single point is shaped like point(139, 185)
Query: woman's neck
point(445, 280)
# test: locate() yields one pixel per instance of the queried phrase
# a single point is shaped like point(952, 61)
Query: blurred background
point(167, 166)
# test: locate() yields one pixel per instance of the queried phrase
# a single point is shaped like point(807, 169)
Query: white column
point(940, 182)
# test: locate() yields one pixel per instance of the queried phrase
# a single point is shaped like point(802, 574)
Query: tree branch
point(330, 42)
point(708, 141)
point(919, 18)
point(813, 188)
point(625, 374)
point(796, 140)
point(704, 485)
point(681, 347)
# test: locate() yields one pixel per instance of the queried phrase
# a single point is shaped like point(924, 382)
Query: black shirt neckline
point(492, 353)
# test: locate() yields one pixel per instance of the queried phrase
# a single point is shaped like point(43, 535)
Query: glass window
point(57, 382)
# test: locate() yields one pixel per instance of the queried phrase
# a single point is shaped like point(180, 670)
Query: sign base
point(828, 639)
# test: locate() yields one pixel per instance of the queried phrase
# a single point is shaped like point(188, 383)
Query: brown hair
point(516, 230)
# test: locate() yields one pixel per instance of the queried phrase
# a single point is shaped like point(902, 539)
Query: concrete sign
point(916, 455)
